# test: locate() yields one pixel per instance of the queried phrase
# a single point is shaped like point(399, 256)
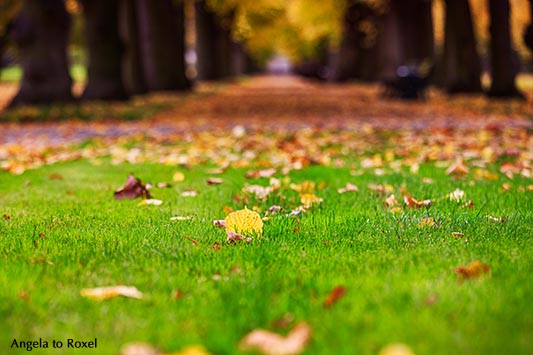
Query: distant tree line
point(137, 46)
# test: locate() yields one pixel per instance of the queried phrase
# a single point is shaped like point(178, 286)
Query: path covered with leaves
point(256, 108)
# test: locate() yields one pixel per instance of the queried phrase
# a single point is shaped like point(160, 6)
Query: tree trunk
point(408, 36)
point(41, 32)
point(132, 70)
point(161, 27)
point(461, 63)
point(214, 47)
point(358, 52)
point(104, 73)
point(503, 59)
point(528, 32)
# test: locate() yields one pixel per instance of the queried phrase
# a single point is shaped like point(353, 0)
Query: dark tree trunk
point(317, 67)
point(215, 48)
point(528, 32)
point(408, 36)
point(503, 59)
point(161, 27)
point(132, 70)
point(41, 32)
point(461, 63)
point(104, 73)
point(358, 52)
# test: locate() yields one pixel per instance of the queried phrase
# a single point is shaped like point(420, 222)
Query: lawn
point(63, 231)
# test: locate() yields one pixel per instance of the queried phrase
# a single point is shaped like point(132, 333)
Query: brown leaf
point(214, 181)
point(55, 176)
point(6, 217)
point(220, 223)
point(411, 202)
point(269, 343)
point(391, 201)
point(336, 294)
point(458, 168)
point(132, 189)
point(458, 235)
point(496, 219)
point(426, 222)
point(348, 188)
point(474, 270)
point(255, 174)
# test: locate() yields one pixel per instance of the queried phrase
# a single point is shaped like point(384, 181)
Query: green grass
point(390, 266)
point(78, 72)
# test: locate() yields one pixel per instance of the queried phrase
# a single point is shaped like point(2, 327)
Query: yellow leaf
point(308, 199)
point(396, 349)
point(192, 350)
point(244, 222)
point(178, 176)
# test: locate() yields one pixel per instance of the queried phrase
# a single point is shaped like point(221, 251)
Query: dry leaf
point(180, 218)
point(189, 193)
point(458, 168)
point(245, 222)
point(220, 223)
point(496, 219)
point(306, 187)
point(348, 188)
point(396, 349)
point(214, 181)
point(336, 294)
point(410, 202)
point(255, 174)
point(458, 235)
point(391, 201)
point(235, 237)
point(103, 293)
point(260, 192)
point(132, 189)
point(269, 343)
point(151, 201)
point(139, 349)
point(178, 176)
point(427, 222)
point(192, 350)
point(55, 176)
point(474, 270)
point(308, 200)
point(274, 209)
point(457, 195)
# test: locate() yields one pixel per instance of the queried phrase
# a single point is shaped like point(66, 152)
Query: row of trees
point(137, 46)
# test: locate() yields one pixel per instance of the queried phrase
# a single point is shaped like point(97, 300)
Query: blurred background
point(65, 50)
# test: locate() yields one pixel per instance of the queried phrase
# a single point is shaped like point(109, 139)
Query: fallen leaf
point(427, 222)
point(192, 350)
point(336, 294)
point(274, 209)
point(411, 202)
point(178, 176)
point(214, 181)
point(245, 222)
point(235, 237)
point(181, 218)
point(308, 200)
point(269, 343)
point(260, 192)
point(348, 188)
point(306, 187)
point(457, 195)
point(458, 235)
point(396, 349)
point(496, 219)
point(189, 193)
point(474, 270)
point(391, 201)
point(220, 223)
point(139, 349)
point(457, 168)
point(103, 293)
point(255, 174)
point(132, 189)
point(151, 201)
point(163, 185)
point(6, 217)
point(55, 176)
